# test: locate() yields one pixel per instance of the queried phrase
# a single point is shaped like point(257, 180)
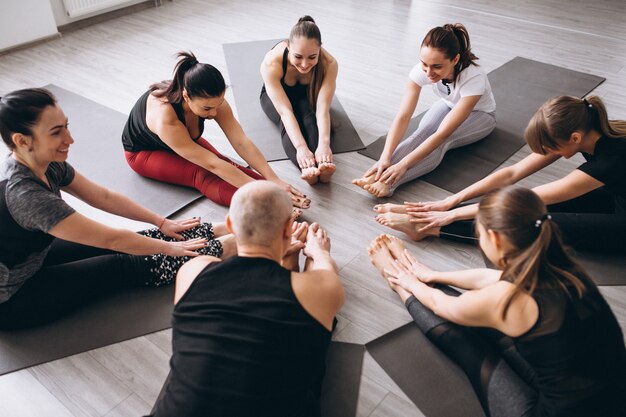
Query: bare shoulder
point(159, 111)
point(274, 57)
point(329, 60)
point(320, 294)
point(189, 272)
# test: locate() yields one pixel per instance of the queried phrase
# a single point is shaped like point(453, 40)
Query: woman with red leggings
point(162, 137)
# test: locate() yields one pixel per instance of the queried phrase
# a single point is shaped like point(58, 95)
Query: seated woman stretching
point(162, 137)
point(464, 115)
point(589, 204)
point(535, 338)
point(53, 259)
point(299, 77)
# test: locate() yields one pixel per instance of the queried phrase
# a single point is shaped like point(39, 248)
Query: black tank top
point(293, 92)
point(244, 346)
point(138, 137)
point(577, 351)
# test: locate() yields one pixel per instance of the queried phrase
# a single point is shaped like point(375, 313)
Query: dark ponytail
point(538, 257)
point(199, 80)
point(452, 39)
point(20, 111)
point(306, 28)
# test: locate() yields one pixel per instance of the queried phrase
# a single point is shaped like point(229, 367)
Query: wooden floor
point(376, 43)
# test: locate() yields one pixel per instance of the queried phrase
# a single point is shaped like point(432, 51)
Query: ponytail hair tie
point(587, 104)
point(543, 218)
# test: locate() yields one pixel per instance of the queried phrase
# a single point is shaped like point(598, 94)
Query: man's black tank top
point(136, 135)
point(244, 346)
point(577, 351)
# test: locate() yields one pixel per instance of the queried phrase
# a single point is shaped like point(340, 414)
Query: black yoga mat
point(436, 385)
point(244, 62)
point(604, 269)
point(520, 86)
point(98, 154)
point(340, 389)
point(112, 319)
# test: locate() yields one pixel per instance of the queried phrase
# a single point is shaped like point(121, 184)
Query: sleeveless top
point(293, 92)
point(244, 346)
point(577, 351)
point(136, 135)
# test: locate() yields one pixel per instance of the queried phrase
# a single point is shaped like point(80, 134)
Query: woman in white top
point(465, 113)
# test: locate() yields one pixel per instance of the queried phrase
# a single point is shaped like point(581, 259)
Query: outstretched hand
point(317, 241)
point(441, 205)
point(298, 199)
point(172, 228)
point(399, 274)
point(298, 238)
point(185, 247)
point(377, 169)
point(430, 219)
point(392, 174)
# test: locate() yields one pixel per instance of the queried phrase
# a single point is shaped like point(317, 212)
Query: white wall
point(23, 21)
point(61, 17)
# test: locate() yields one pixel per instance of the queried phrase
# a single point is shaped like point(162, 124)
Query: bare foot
point(396, 248)
point(295, 213)
point(390, 208)
point(362, 182)
point(382, 259)
point(310, 175)
point(300, 202)
point(327, 170)
point(401, 223)
point(378, 189)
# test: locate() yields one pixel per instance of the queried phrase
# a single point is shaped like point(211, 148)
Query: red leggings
point(169, 167)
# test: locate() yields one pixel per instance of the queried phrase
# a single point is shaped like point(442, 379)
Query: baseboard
point(29, 44)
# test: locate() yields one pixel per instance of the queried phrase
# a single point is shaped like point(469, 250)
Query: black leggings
point(502, 379)
point(592, 222)
point(305, 116)
point(72, 275)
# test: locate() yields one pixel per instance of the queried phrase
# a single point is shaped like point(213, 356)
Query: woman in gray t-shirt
point(52, 258)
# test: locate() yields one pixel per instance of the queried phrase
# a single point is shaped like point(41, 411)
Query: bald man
point(250, 333)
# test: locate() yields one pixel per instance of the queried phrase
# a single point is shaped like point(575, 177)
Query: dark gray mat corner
point(520, 86)
point(340, 389)
point(244, 62)
point(112, 319)
point(98, 154)
point(436, 385)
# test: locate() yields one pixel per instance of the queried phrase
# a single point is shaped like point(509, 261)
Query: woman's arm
point(450, 123)
point(477, 308)
point(80, 229)
point(174, 134)
point(398, 128)
point(115, 203)
point(575, 184)
point(245, 148)
point(271, 71)
point(322, 110)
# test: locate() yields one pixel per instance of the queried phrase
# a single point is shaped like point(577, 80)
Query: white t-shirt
point(472, 81)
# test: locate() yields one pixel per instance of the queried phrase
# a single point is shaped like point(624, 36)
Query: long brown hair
point(556, 120)
point(452, 39)
point(198, 79)
point(306, 28)
point(538, 257)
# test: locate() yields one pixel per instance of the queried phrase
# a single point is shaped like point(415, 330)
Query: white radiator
point(82, 7)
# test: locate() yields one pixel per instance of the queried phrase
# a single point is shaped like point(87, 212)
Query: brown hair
point(559, 117)
point(306, 28)
point(452, 39)
point(538, 257)
point(198, 79)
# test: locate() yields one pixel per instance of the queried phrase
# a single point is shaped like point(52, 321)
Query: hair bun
point(306, 18)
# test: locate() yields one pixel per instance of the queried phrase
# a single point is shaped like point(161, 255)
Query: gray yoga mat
point(340, 388)
point(111, 319)
point(98, 154)
point(244, 62)
point(520, 86)
point(436, 385)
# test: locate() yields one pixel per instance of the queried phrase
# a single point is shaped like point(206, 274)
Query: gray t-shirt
point(28, 210)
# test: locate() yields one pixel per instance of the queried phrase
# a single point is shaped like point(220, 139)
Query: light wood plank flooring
point(376, 43)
